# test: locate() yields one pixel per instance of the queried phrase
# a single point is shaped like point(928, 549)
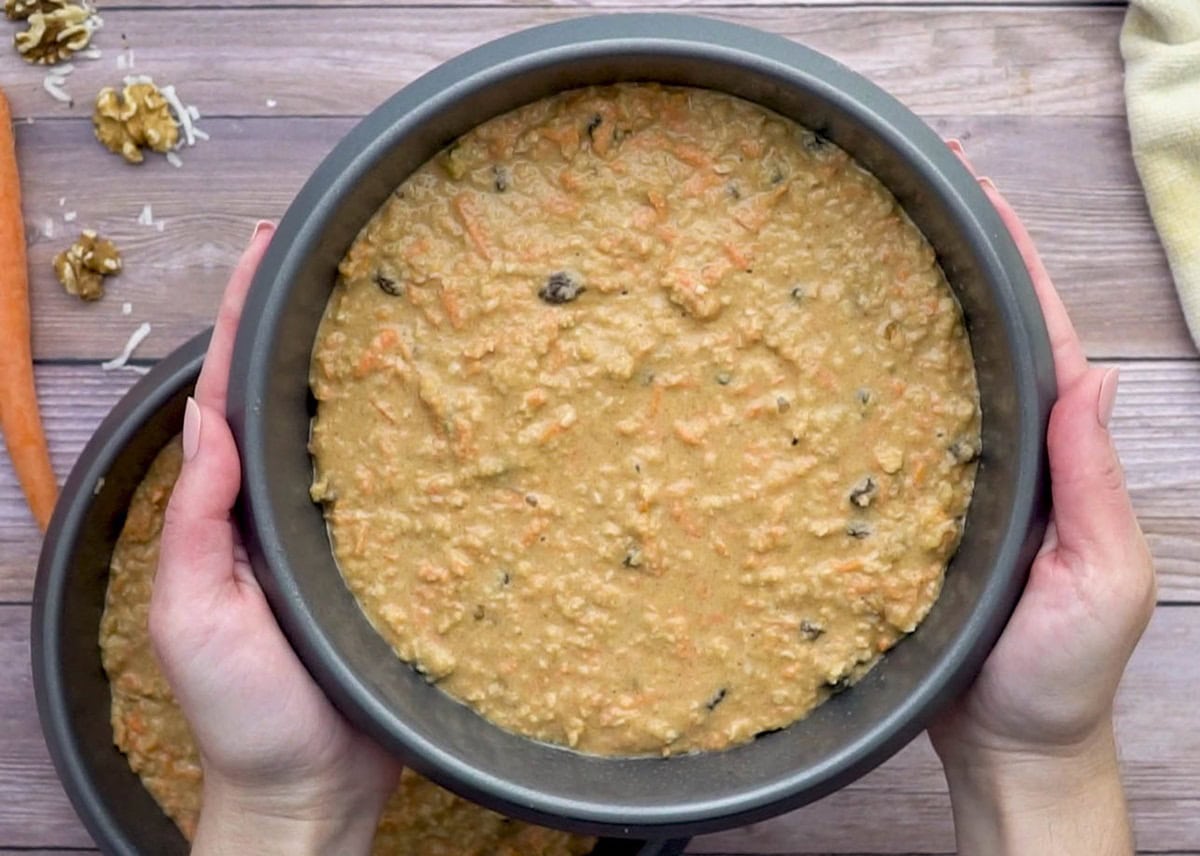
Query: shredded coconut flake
point(63, 69)
point(160, 225)
point(48, 228)
point(62, 200)
point(146, 218)
point(93, 53)
point(271, 102)
point(121, 360)
point(127, 308)
point(53, 84)
point(174, 160)
point(185, 114)
point(122, 62)
point(181, 113)
point(69, 217)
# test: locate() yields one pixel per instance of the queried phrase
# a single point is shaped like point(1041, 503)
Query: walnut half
point(82, 267)
point(54, 35)
point(137, 117)
point(19, 10)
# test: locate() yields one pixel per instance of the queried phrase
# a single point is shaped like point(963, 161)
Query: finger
point(961, 153)
point(957, 147)
point(1070, 364)
point(1093, 515)
point(198, 537)
point(213, 385)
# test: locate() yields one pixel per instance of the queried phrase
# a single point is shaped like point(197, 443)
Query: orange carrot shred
point(465, 207)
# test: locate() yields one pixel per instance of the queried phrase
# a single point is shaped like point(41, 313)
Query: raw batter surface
point(420, 820)
point(646, 420)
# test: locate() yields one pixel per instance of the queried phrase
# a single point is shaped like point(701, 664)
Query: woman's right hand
point(1029, 750)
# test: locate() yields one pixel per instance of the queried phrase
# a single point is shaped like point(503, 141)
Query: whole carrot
point(19, 416)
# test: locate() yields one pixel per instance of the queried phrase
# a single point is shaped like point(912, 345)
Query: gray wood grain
point(605, 6)
point(328, 61)
point(901, 807)
point(34, 811)
point(1071, 178)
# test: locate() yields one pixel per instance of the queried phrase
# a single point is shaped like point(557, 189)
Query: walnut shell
point(136, 118)
point(53, 36)
point(82, 267)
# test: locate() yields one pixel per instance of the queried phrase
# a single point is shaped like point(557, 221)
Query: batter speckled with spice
point(646, 419)
point(421, 819)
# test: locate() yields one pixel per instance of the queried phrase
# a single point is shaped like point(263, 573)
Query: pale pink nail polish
point(1107, 398)
point(988, 184)
point(191, 429)
point(955, 145)
point(262, 226)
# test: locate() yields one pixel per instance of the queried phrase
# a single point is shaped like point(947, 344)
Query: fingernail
point(1108, 396)
point(191, 429)
point(987, 184)
point(955, 145)
point(260, 227)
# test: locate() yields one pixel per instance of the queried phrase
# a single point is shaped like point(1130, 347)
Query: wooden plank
point(612, 6)
point(1156, 424)
point(34, 810)
point(173, 278)
point(1072, 179)
point(1033, 60)
point(1075, 185)
point(74, 399)
point(901, 807)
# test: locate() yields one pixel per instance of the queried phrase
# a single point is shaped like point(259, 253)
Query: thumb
point(198, 536)
point(1092, 511)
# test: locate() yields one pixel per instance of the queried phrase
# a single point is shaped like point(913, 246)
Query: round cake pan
point(72, 690)
point(271, 408)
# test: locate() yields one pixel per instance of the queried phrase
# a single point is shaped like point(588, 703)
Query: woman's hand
point(1029, 751)
point(283, 772)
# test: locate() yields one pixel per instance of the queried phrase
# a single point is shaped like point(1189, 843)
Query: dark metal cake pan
point(271, 408)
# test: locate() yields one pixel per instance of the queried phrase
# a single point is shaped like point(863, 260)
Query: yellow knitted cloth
point(1161, 46)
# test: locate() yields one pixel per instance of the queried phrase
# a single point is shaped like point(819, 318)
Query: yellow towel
point(1161, 46)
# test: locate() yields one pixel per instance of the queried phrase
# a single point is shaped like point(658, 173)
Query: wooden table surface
point(1034, 90)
